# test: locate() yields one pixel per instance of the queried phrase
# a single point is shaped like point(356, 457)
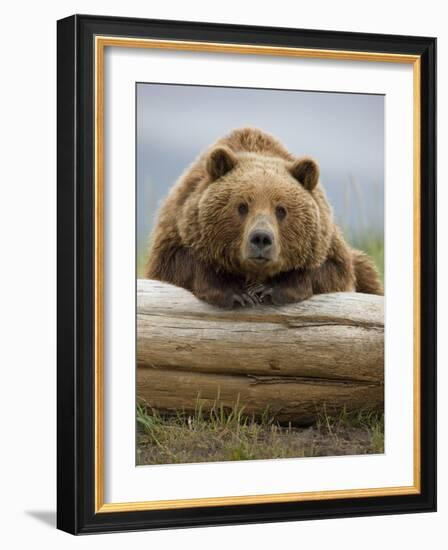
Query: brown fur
point(248, 183)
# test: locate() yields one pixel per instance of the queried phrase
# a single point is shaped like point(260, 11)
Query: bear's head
point(258, 215)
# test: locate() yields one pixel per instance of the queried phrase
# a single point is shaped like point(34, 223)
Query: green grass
point(222, 435)
point(372, 244)
point(141, 263)
point(369, 422)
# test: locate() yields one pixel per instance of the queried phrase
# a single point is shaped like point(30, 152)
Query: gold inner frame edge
point(101, 42)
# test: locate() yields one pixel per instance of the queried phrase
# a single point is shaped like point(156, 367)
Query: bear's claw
point(259, 291)
point(245, 299)
point(265, 293)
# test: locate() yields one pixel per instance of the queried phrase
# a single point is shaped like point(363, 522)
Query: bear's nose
point(261, 240)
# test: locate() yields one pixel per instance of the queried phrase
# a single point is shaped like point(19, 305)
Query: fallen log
point(292, 361)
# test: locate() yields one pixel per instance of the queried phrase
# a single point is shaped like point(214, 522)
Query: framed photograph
point(246, 274)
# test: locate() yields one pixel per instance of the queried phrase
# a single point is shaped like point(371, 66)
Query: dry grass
point(222, 435)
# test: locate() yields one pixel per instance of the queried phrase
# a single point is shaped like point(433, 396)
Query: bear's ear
point(306, 171)
point(220, 161)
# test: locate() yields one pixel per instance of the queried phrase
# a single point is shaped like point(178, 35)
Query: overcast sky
point(343, 132)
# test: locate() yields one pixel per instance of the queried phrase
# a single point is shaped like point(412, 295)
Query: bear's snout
point(260, 244)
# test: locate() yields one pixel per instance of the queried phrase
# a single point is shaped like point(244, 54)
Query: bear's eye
point(280, 212)
point(243, 209)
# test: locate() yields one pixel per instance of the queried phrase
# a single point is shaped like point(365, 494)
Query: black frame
point(75, 225)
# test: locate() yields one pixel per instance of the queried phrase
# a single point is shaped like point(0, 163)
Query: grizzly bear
point(248, 223)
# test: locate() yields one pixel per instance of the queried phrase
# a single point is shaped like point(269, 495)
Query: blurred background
point(343, 132)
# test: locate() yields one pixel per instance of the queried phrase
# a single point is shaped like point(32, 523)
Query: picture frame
point(82, 203)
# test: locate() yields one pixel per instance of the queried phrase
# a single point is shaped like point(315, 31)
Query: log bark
point(292, 360)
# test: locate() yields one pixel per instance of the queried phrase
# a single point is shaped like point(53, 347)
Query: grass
point(372, 244)
point(223, 435)
point(141, 263)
